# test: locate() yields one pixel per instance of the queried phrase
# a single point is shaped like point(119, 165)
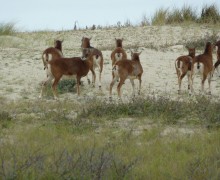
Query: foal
point(183, 66)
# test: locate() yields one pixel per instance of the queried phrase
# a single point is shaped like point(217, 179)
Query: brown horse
point(183, 66)
point(97, 60)
point(127, 69)
point(203, 64)
point(217, 44)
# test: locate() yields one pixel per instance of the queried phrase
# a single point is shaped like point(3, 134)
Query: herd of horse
point(57, 66)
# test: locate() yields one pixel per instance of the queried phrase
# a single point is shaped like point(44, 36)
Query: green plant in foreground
point(44, 141)
point(44, 153)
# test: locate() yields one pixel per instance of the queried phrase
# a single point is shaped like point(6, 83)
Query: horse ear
point(122, 39)
point(139, 53)
point(90, 38)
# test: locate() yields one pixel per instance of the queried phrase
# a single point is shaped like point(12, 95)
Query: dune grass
point(7, 28)
point(209, 15)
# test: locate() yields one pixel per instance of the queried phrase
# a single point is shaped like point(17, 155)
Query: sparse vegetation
point(210, 14)
point(95, 144)
point(163, 109)
point(200, 43)
point(160, 16)
point(188, 14)
point(7, 29)
point(66, 85)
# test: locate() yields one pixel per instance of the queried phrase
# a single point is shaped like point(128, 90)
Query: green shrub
point(66, 85)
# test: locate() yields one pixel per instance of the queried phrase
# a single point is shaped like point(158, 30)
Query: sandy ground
point(21, 68)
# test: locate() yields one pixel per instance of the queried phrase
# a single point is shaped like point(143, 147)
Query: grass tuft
point(7, 28)
point(210, 14)
point(159, 17)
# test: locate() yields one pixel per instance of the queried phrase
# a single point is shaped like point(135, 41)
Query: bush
point(188, 14)
point(66, 85)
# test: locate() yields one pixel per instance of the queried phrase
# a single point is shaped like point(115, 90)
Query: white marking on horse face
point(118, 56)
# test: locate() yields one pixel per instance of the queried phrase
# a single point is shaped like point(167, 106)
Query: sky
point(34, 15)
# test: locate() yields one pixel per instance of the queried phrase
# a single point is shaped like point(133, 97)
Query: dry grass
point(44, 140)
